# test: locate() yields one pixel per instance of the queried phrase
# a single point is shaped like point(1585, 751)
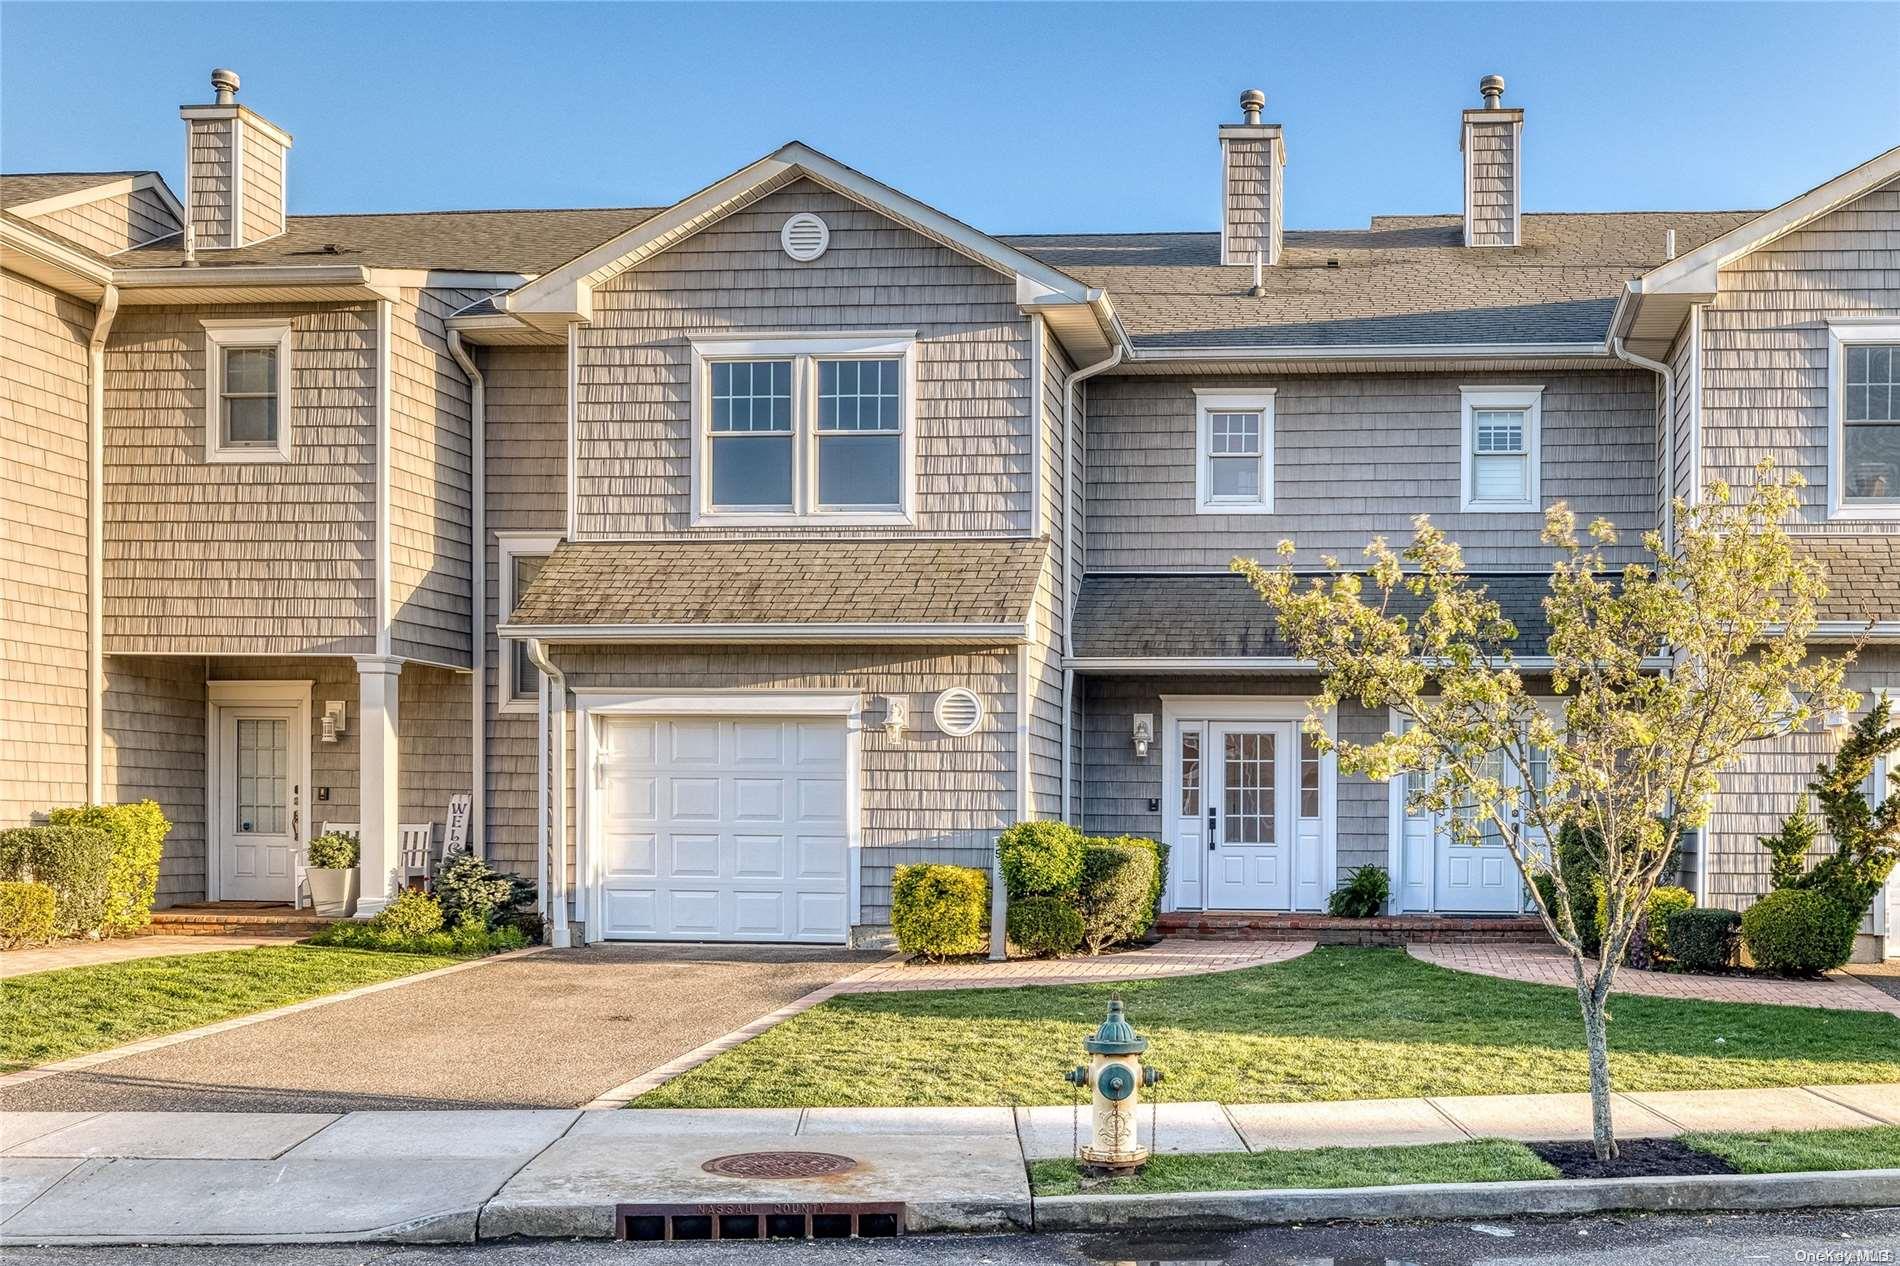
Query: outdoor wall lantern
point(333, 720)
point(1143, 733)
point(896, 717)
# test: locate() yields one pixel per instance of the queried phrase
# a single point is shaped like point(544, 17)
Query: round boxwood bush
point(940, 911)
point(1799, 932)
point(1702, 938)
point(1045, 927)
point(412, 913)
point(1116, 899)
point(74, 861)
point(1040, 859)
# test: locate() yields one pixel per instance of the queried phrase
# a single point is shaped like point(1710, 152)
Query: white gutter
point(1265, 663)
point(780, 634)
point(95, 545)
point(478, 598)
point(551, 820)
point(1070, 591)
point(1669, 434)
point(1377, 351)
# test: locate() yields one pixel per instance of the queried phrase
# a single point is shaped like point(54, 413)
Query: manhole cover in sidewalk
point(780, 1165)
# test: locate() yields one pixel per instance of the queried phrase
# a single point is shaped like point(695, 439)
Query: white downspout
point(95, 545)
point(478, 597)
point(1669, 434)
point(1069, 590)
point(552, 819)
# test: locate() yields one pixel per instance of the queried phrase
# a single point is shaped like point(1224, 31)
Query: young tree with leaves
point(1661, 675)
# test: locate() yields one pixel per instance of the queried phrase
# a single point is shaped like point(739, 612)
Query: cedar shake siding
point(154, 723)
point(254, 557)
point(974, 432)
point(1491, 179)
point(1764, 345)
point(1358, 456)
point(43, 435)
point(210, 183)
point(114, 223)
point(262, 214)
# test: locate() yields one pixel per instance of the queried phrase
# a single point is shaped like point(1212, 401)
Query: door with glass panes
point(259, 752)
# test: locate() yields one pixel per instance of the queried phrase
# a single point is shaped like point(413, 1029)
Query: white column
point(377, 679)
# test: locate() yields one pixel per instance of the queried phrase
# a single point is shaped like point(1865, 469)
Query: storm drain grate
point(780, 1165)
point(765, 1221)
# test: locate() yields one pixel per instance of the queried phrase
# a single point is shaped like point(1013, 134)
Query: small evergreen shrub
point(1045, 927)
point(334, 850)
point(412, 913)
point(1799, 932)
point(1702, 938)
point(1040, 859)
point(940, 912)
point(1116, 896)
point(74, 861)
point(26, 914)
point(138, 832)
point(465, 940)
point(1363, 896)
point(1160, 884)
point(469, 888)
point(1650, 940)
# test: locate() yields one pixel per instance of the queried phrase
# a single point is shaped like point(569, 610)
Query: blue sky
point(1015, 118)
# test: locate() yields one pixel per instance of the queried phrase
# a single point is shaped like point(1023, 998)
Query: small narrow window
point(527, 678)
point(1866, 420)
point(1309, 776)
point(752, 434)
point(1190, 773)
point(1501, 426)
point(247, 377)
point(1234, 459)
point(522, 555)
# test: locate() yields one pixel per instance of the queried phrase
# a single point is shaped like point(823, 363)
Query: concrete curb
point(80, 1063)
point(1208, 1210)
point(450, 1226)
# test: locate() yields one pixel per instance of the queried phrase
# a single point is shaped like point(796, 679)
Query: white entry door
point(260, 750)
point(723, 828)
point(1250, 772)
point(1478, 877)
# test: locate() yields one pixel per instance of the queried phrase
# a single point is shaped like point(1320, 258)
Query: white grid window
point(752, 442)
point(247, 391)
point(522, 555)
point(1869, 411)
point(1500, 458)
point(1234, 460)
point(859, 420)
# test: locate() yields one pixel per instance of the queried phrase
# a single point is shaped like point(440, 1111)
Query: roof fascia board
point(223, 275)
point(24, 239)
point(1262, 663)
point(772, 633)
point(1376, 351)
point(426, 278)
point(149, 180)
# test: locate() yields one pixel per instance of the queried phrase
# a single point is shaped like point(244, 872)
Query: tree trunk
point(1597, 1036)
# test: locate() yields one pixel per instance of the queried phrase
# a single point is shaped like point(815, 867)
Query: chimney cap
point(1252, 102)
point(225, 84)
point(1491, 88)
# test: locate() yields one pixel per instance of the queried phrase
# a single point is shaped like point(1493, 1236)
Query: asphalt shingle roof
point(1220, 616)
point(20, 188)
point(1863, 575)
point(898, 581)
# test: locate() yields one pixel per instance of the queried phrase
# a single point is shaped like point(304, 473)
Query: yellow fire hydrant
point(1116, 1076)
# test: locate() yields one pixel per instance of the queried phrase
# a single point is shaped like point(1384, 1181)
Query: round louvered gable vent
point(958, 712)
point(805, 236)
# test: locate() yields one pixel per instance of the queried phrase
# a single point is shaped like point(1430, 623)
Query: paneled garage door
point(723, 828)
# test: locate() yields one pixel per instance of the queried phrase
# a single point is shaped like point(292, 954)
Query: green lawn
point(1332, 1024)
point(54, 1015)
point(1485, 1160)
point(1797, 1151)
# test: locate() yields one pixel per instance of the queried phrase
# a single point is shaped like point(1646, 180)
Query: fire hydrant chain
point(1116, 1076)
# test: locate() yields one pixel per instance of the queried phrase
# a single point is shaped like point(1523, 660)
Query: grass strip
point(1481, 1160)
point(1802, 1151)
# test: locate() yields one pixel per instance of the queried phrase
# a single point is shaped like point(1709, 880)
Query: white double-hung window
point(816, 429)
point(1864, 420)
point(1500, 455)
point(247, 391)
point(1233, 472)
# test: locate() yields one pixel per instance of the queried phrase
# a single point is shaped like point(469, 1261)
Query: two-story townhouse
point(736, 551)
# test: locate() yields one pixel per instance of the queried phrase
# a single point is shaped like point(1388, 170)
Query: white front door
point(259, 801)
point(1479, 877)
point(723, 828)
point(1250, 770)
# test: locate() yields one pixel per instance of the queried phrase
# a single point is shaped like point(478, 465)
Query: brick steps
point(211, 921)
point(1410, 929)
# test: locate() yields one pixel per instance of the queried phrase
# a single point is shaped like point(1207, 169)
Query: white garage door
point(724, 828)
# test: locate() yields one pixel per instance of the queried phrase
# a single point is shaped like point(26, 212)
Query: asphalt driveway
point(552, 1030)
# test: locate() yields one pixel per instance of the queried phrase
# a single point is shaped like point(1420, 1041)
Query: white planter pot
point(333, 892)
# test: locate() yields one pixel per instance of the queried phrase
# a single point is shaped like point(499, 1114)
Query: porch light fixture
point(1143, 732)
point(333, 719)
point(896, 717)
point(1838, 720)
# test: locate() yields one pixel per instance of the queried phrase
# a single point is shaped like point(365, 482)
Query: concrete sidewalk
point(136, 1177)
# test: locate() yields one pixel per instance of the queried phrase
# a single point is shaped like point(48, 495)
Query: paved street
point(476, 1039)
point(1631, 1240)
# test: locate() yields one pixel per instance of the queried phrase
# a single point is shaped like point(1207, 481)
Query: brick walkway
point(1169, 958)
point(20, 962)
point(1544, 965)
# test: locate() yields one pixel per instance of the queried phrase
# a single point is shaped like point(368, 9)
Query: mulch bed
point(1637, 1158)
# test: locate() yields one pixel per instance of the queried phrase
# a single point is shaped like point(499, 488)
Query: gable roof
point(19, 189)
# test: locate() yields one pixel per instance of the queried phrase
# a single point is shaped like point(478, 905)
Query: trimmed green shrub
point(1160, 884)
point(1702, 938)
point(74, 861)
point(138, 832)
point(412, 913)
point(465, 940)
point(940, 911)
point(1798, 932)
point(335, 850)
point(469, 888)
point(1116, 896)
point(1650, 940)
point(1045, 927)
point(26, 914)
point(1363, 896)
point(1040, 859)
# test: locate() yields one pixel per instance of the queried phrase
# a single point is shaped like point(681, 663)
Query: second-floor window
point(521, 557)
point(1234, 451)
point(247, 391)
point(1500, 457)
point(790, 429)
point(1864, 426)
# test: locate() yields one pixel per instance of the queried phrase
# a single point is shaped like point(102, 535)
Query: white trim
point(1841, 335)
point(294, 694)
point(237, 181)
point(225, 334)
point(783, 633)
point(103, 318)
point(1694, 493)
point(940, 705)
point(385, 610)
point(1464, 150)
point(1038, 421)
point(1287, 663)
point(1378, 351)
point(148, 180)
point(598, 704)
point(572, 446)
point(1530, 399)
point(1209, 401)
point(510, 546)
point(804, 352)
point(233, 111)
